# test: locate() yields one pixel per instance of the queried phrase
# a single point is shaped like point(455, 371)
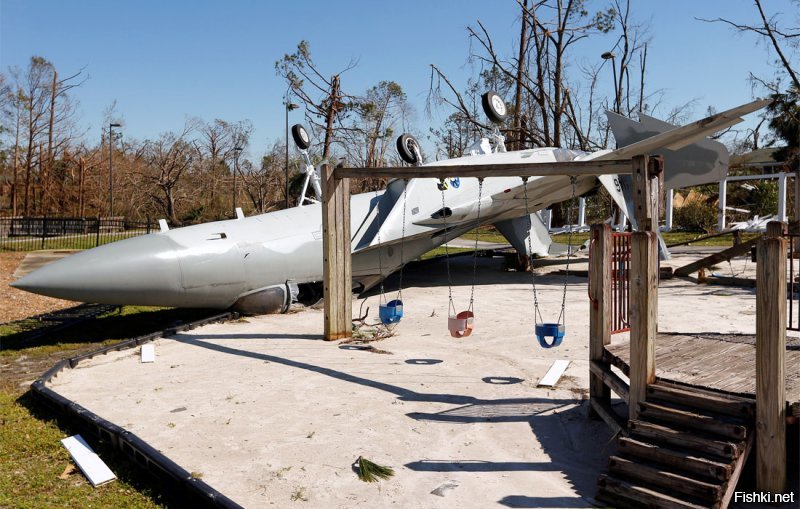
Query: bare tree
point(325, 103)
point(167, 160)
point(768, 28)
point(544, 102)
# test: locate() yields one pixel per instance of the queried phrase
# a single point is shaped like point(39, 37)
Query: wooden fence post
point(771, 364)
point(336, 255)
point(599, 308)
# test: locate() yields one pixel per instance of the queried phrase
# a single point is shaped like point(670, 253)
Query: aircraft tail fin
point(690, 158)
point(516, 232)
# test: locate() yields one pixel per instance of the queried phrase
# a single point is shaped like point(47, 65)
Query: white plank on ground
point(554, 373)
point(90, 463)
point(149, 352)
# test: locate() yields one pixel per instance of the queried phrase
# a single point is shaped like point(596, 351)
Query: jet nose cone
point(130, 271)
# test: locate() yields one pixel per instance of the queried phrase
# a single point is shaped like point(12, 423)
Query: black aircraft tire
point(405, 142)
point(300, 136)
point(494, 107)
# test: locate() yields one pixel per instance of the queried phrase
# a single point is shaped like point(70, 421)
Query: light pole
point(236, 152)
point(111, 126)
point(608, 55)
point(289, 107)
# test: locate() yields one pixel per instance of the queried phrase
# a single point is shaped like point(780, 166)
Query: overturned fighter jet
point(255, 264)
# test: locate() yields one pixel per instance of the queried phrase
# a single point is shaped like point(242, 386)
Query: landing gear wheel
point(300, 136)
point(408, 148)
point(494, 107)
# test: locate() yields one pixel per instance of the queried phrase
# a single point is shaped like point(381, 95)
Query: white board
point(90, 463)
point(149, 353)
point(554, 373)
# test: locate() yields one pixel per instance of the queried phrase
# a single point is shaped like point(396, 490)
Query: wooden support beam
point(599, 308)
point(771, 365)
point(609, 416)
point(577, 168)
point(336, 269)
point(713, 259)
point(609, 379)
point(643, 315)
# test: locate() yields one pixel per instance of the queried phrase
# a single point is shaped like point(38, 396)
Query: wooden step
point(640, 494)
point(688, 419)
point(662, 478)
point(684, 439)
point(677, 460)
point(718, 403)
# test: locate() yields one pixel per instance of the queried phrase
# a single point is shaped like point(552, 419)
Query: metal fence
point(620, 282)
point(793, 311)
point(34, 233)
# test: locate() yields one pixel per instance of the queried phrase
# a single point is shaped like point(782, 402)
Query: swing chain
point(402, 241)
point(475, 252)
point(382, 296)
point(574, 182)
point(446, 252)
point(536, 311)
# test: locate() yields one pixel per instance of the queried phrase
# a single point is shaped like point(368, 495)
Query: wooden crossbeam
point(576, 168)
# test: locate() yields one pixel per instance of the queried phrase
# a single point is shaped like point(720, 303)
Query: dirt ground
point(16, 304)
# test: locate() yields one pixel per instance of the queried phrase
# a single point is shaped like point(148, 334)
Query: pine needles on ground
point(371, 472)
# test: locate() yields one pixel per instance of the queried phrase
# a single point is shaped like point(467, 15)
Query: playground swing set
point(646, 173)
point(462, 324)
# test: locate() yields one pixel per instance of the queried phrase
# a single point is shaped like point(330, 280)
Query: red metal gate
point(620, 282)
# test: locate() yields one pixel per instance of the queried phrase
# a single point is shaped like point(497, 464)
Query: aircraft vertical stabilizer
point(516, 232)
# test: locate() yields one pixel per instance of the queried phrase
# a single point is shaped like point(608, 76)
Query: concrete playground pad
point(269, 414)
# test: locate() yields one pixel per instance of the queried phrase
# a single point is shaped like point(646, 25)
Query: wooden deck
point(721, 362)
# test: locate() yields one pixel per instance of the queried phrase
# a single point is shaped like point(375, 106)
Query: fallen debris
point(444, 488)
point(68, 471)
point(711, 260)
point(372, 472)
point(554, 373)
point(95, 470)
point(148, 353)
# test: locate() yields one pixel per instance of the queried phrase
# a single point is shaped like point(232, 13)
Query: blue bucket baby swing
point(549, 334)
point(390, 312)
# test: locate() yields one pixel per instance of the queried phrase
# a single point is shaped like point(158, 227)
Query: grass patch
point(31, 453)
point(440, 251)
point(33, 459)
point(722, 240)
point(87, 241)
point(127, 322)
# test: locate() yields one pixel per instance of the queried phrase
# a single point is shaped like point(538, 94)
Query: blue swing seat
point(391, 312)
point(549, 330)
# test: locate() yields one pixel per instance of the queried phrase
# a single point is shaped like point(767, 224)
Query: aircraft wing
point(677, 137)
point(690, 158)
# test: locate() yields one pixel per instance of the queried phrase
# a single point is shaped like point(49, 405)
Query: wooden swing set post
point(647, 175)
point(336, 265)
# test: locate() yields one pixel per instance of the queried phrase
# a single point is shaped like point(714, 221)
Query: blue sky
point(165, 61)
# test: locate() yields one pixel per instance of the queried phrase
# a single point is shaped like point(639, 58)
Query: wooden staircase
point(686, 450)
